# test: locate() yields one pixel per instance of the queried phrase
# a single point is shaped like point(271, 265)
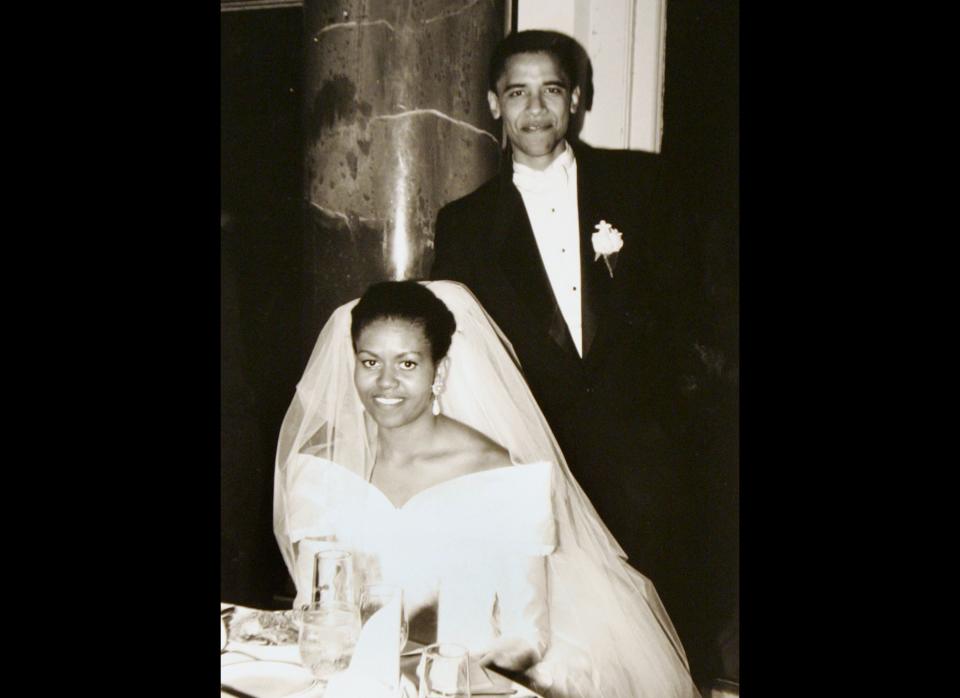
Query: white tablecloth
point(237, 653)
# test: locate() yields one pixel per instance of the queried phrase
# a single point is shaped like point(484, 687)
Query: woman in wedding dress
point(414, 442)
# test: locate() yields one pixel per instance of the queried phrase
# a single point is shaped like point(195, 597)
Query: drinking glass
point(306, 551)
point(333, 578)
point(328, 636)
point(444, 671)
point(375, 597)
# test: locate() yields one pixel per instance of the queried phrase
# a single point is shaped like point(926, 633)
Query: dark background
point(261, 282)
point(261, 301)
point(115, 123)
point(700, 153)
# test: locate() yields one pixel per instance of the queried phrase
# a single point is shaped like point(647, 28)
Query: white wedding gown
point(478, 540)
point(515, 552)
point(475, 546)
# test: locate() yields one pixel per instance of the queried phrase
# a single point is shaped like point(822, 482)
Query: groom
point(571, 251)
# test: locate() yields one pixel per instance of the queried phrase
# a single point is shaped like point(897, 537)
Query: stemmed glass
point(376, 596)
point(444, 671)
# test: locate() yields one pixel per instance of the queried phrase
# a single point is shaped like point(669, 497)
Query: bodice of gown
point(474, 544)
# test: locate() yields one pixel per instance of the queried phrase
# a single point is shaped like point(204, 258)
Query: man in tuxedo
point(572, 252)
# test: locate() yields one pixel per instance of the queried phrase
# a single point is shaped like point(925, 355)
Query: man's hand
point(512, 654)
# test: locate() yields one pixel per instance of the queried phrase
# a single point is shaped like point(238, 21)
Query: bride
point(413, 441)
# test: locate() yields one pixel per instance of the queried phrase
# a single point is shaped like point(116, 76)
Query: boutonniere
point(607, 241)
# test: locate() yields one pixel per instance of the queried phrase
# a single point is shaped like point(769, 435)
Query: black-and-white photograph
point(479, 348)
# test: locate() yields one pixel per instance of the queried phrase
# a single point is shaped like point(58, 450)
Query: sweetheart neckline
point(435, 486)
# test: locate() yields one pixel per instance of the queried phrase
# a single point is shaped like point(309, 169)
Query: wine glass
point(328, 636)
point(375, 597)
point(444, 671)
point(333, 581)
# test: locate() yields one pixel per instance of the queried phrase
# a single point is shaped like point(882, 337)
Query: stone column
point(396, 125)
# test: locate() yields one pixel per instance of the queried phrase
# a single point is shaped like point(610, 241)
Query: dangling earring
point(435, 389)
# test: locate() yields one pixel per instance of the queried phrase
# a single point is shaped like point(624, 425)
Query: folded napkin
point(374, 670)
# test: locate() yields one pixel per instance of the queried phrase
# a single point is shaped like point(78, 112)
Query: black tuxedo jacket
point(614, 411)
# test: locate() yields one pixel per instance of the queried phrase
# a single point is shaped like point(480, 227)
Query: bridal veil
point(610, 634)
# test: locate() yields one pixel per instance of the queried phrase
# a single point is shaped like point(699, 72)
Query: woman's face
point(394, 372)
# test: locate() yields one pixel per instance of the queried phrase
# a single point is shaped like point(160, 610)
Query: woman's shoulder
point(469, 451)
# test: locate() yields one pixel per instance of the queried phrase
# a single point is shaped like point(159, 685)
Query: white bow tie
point(540, 181)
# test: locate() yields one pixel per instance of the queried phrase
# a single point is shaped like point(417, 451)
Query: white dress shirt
point(550, 197)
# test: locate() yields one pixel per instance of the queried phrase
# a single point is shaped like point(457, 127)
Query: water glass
point(375, 597)
point(333, 581)
point(328, 636)
point(444, 671)
point(306, 550)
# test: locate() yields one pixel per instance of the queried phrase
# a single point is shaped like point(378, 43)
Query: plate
point(266, 679)
point(348, 684)
point(270, 653)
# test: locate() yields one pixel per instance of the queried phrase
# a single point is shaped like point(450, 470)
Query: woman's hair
point(410, 301)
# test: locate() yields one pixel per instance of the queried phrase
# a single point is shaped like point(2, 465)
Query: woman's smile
point(388, 401)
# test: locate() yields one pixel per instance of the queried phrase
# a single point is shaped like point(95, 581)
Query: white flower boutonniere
point(607, 241)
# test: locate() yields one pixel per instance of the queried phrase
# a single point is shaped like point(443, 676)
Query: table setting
point(350, 641)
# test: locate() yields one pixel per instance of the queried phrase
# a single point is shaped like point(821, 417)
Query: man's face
point(535, 101)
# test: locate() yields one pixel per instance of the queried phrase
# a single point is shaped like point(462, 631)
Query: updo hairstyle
point(410, 301)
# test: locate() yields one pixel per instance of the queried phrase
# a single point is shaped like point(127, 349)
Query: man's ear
point(494, 103)
point(575, 100)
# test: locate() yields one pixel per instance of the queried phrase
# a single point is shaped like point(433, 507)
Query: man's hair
point(562, 47)
point(571, 57)
point(410, 301)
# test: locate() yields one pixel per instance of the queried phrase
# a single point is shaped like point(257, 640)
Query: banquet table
point(283, 661)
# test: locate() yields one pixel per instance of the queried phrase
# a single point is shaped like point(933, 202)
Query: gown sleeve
point(318, 489)
point(521, 604)
point(309, 511)
point(496, 597)
point(521, 587)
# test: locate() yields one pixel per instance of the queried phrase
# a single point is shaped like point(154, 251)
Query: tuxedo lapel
point(519, 258)
point(625, 200)
point(595, 277)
